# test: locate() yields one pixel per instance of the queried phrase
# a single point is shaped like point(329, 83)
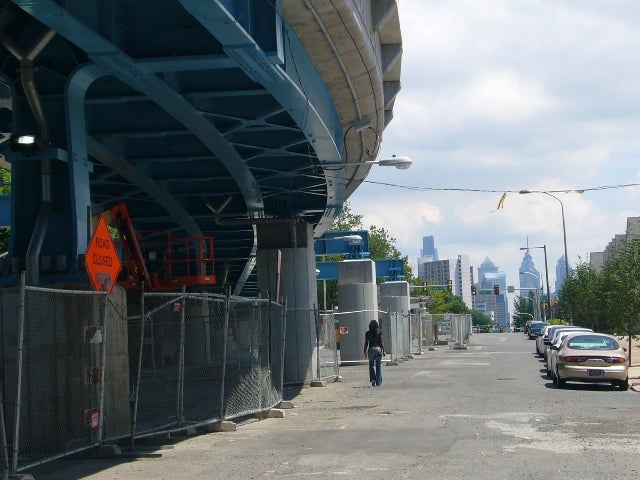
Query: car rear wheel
point(560, 382)
point(624, 385)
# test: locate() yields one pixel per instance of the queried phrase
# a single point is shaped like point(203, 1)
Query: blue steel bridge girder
point(133, 106)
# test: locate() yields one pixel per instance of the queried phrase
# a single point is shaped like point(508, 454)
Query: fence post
point(316, 314)
point(420, 332)
point(180, 392)
point(395, 333)
point(283, 340)
point(134, 420)
point(5, 450)
point(16, 431)
point(103, 362)
point(227, 303)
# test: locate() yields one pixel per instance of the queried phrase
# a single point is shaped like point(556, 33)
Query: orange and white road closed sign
point(101, 259)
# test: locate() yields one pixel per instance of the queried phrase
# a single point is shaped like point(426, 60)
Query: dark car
point(535, 328)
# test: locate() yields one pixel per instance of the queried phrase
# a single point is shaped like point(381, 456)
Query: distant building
point(428, 253)
point(490, 275)
point(561, 273)
point(529, 275)
point(439, 272)
point(460, 272)
point(598, 259)
point(429, 248)
point(463, 280)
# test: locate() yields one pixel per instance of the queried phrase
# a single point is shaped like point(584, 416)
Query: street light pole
point(564, 229)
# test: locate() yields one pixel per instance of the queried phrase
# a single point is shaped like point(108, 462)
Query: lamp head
point(401, 163)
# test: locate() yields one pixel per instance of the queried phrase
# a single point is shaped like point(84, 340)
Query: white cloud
point(503, 95)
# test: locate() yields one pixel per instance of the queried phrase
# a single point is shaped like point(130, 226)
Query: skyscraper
point(529, 274)
point(429, 247)
point(488, 276)
point(561, 273)
point(428, 253)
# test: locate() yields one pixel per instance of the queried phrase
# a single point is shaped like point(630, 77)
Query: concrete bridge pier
point(358, 297)
point(287, 270)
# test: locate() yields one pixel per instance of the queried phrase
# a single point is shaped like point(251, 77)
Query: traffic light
point(473, 290)
point(496, 289)
point(450, 285)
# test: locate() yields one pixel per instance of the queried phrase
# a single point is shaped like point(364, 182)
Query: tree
point(523, 309)
point(381, 246)
point(480, 318)
point(581, 295)
point(347, 220)
point(446, 302)
point(620, 285)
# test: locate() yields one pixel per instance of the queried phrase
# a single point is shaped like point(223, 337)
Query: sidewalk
point(634, 367)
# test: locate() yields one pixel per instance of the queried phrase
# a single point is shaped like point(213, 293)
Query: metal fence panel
point(157, 401)
point(83, 360)
point(328, 364)
point(61, 374)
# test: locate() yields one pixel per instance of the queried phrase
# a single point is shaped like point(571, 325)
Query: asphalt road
point(487, 412)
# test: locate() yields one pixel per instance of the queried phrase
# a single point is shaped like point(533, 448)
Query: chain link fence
point(428, 330)
point(327, 355)
point(84, 372)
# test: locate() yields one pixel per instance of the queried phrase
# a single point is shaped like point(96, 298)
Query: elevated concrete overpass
point(208, 117)
point(249, 121)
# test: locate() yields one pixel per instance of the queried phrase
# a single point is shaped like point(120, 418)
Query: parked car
point(551, 353)
point(592, 357)
point(543, 337)
point(535, 328)
point(554, 337)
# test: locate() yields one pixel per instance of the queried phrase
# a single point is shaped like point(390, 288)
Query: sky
point(506, 96)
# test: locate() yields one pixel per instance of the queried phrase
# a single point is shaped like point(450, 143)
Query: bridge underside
point(207, 117)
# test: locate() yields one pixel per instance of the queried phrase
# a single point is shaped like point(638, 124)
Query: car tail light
point(572, 359)
point(615, 360)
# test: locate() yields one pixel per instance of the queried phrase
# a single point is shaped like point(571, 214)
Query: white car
point(554, 335)
point(552, 353)
point(544, 337)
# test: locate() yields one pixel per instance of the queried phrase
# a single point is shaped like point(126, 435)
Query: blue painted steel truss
point(200, 114)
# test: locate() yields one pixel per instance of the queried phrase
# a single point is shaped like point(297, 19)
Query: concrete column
point(358, 298)
point(286, 265)
point(394, 297)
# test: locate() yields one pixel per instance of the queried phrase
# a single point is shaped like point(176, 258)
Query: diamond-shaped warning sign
point(101, 259)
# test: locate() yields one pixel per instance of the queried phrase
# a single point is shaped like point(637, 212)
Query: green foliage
point(446, 302)
point(347, 220)
point(620, 289)
point(5, 188)
point(5, 180)
point(582, 296)
point(523, 309)
point(381, 246)
point(480, 318)
point(607, 301)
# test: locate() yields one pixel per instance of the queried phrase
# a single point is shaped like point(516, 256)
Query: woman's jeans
point(375, 356)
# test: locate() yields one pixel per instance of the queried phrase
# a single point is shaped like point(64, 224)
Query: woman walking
point(374, 351)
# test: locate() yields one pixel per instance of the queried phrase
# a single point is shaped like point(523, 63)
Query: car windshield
point(559, 331)
point(592, 342)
